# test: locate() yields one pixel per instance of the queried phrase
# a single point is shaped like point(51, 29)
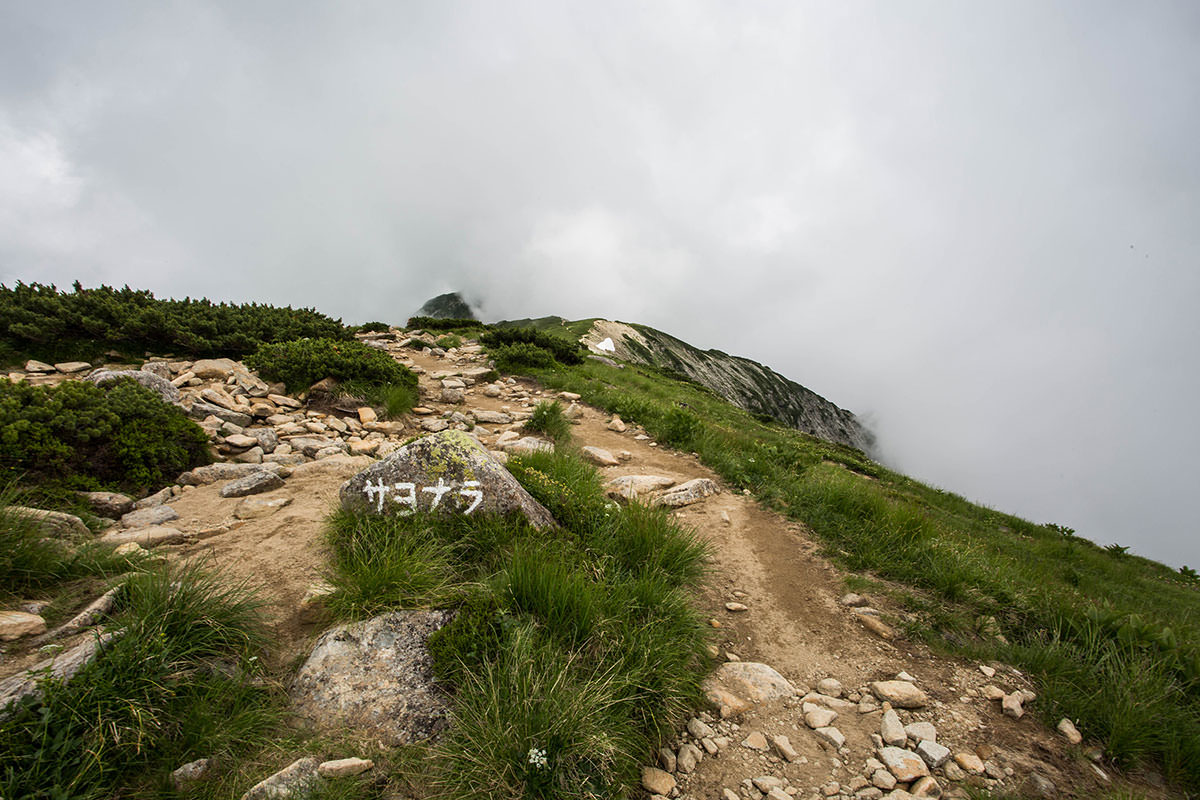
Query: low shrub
point(528, 348)
point(41, 322)
point(301, 363)
point(391, 399)
point(446, 324)
point(122, 436)
point(373, 327)
point(448, 341)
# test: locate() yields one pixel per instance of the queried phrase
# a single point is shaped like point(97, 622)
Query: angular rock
point(1010, 704)
point(933, 753)
point(255, 483)
point(656, 781)
point(200, 409)
point(630, 487)
point(736, 686)
point(344, 767)
point(156, 499)
point(689, 756)
point(666, 758)
point(891, 729)
point(700, 729)
point(449, 472)
point(831, 736)
point(925, 787)
point(148, 537)
point(241, 440)
point(817, 717)
point(17, 624)
point(189, 773)
point(1069, 731)
point(210, 368)
point(528, 444)
point(53, 524)
point(599, 456)
point(108, 504)
point(453, 396)
point(921, 731)
point(38, 366)
point(71, 367)
point(616, 424)
point(283, 401)
point(149, 517)
point(853, 600)
point(969, 762)
point(687, 493)
point(375, 677)
point(155, 383)
point(293, 781)
point(94, 612)
point(905, 765)
point(223, 471)
point(830, 686)
point(755, 741)
point(883, 779)
point(901, 694)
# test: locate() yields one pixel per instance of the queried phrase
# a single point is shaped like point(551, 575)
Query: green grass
point(964, 565)
point(449, 340)
point(392, 400)
point(548, 418)
point(582, 642)
point(174, 687)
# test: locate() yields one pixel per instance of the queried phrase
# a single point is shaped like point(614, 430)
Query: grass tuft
point(548, 418)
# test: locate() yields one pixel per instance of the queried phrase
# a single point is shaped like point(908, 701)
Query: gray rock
point(295, 780)
point(528, 444)
point(146, 517)
point(223, 471)
point(905, 765)
point(54, 524)
point(933, 753)
point(453, 396)
point(687, 493)
point(892, 729)
point(258, 507)
point(255, 483)
point(311, 445)
point(630, 487)
point(156, 499)
point(155, 383)
point(901, 694)
point(434, 424)
point(689, 756)
point(736, 686)
point(921, 731)
point(189, 773)
point(17, 624)
point(449, 471)
point(108, 504)
point(491, 417)
point(62, 667)
point(599, 456)
point(71, 367)
point(831, 736)
point(700, 729)
point(201, 409)
point(147, 537)
point(375, 677)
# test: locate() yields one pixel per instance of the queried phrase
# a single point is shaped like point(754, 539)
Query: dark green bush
point(520, 356)
point(474, 638)
point(548, 418)
point(41, 322)
point(373, 327)
point(79, 435)
point(303, 362)
point(448, 324)
point(559, 349)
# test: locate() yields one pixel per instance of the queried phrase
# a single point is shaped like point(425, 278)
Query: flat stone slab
point(375, 677)
point(55, 524)
point(16, 624)
point(447, 472)
point(599, 456)
point(225, 470)
point(684, 494)
point(255, 483)
point(148, 517)
point(739, 685)
point(630, 487)
point(148, 537)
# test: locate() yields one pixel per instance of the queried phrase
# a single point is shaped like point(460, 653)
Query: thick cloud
point(975, 225)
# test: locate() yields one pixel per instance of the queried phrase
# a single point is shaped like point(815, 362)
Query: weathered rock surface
point(528, 444)
point(148, 517)
point(255, 483)
point(108, 504)
point(375, 677)
point(599, 456)
point(54, 524)
point(736, 686)
point(61, 667)
point(189, 773)
point(687, 493)
point(294, 780)
point(155, 383)
point(148, 537)
point(209, 368)
point(16, 624)
point(224, 470)
point(258, 507)
point(630, 487)
point(449, 472)
point(491, 417)
point(344, 767)
point(905, 765)
point(901, 694)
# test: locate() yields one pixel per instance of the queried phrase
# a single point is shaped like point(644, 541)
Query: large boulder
point(736, 686)
point(375, 677)
point(447, 471)
point(54, 524)
point(224, 470)
point(155, 383)
point(210, 368)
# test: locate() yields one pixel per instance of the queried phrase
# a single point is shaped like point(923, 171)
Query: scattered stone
point(599, 456)
point(201, 410)
point(189, 773)
point(921, 731)
point(905, 765)
point(687, 493)
point(156, 383)
point(17, 624)
point(375, 676)
point(37, 366)
point(892, 729)
point(699, 728)
point(492, 417)
point(241, 440)
point(108, 504)
point(156, 499)
point(344, 767)
point(615, 424)
point(450, 471)
point(831, 736)
point(453, 396)
point(736, 607)
point(656, 781)
point(969, 762)
point(883, 779)
point(876, 626)
point(989, 672)
point(689, 756)
point(765, 783)
point(1010, 704)
point(294, 780)
point(933, 753)
point(148, 537)
point(149, 517)
point(71, 367)
point(783, 746)
point(991, 692)
point(255, 483)
point(830, 686)
point(630, 487)
point(129, 550)
point(900, 693)
point(817, 717)
point(54, 524)
point(1069, 731)
point(434, 424)
point(735, 686)
point(756, 741)
point(925, 787)
point(258, 507)
point(528, 444)
point(666, 758)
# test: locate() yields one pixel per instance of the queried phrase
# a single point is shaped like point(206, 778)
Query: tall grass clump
point(172, 687)
point(573, 650)
point(548, 418)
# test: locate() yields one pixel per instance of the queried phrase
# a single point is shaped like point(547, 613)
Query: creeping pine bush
point(518, 348)
point(40, 321)
point(77, 435)
point(373, 327)
point(446, 324)
point(301, 363)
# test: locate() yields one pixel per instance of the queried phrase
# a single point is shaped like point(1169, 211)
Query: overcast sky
point(975, 224)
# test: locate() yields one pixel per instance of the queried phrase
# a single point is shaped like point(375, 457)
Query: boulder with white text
point(447, 472)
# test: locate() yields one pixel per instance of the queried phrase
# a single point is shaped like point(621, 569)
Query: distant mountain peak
point(447, 306)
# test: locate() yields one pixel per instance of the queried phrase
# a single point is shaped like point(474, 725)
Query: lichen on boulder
point(446, 472)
